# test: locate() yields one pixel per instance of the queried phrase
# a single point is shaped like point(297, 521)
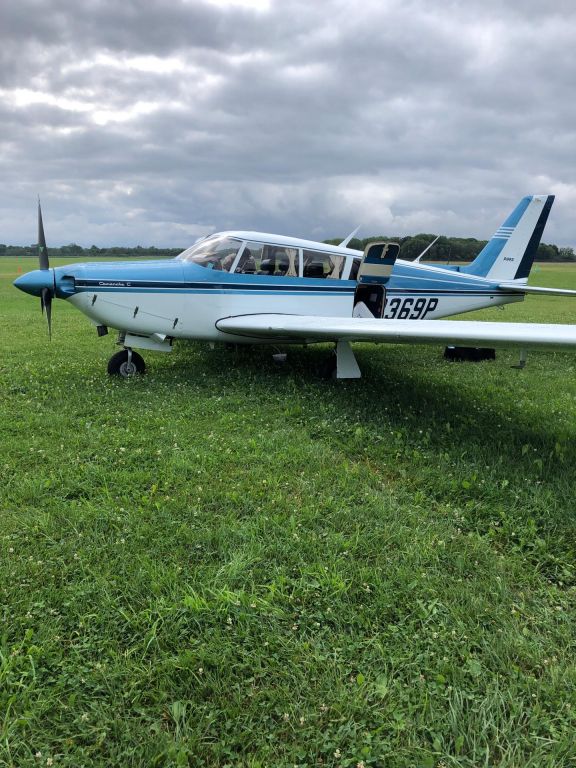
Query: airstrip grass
point(233, 563)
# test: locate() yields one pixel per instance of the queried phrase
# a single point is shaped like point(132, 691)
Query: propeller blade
point(46, 304)
point(42, 249)
point(46, 295)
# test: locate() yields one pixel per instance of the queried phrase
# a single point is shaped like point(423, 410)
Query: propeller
point(46, 294)
point(46, 304)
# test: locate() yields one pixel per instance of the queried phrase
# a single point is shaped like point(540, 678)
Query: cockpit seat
point(267, 267)
point(281, 268)
point(315, 269)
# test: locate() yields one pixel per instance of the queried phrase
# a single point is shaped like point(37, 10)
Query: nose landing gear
point(126, 363)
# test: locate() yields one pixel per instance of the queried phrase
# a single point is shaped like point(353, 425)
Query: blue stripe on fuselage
point(180, 277)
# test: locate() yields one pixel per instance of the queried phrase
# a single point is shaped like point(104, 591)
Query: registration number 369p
point(410, 308)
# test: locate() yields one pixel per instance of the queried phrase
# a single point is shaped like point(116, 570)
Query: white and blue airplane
point(252, 287)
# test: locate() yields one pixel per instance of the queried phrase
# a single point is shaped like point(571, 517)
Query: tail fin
point(510, 253)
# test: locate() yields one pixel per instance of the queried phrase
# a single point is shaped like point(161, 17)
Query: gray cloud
point(146, 122)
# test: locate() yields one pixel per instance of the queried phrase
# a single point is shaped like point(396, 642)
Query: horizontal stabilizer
point(536, 289)
point(311, 328)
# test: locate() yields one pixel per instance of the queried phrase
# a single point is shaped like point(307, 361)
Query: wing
point(309, 328)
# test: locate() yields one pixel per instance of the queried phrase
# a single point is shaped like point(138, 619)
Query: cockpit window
point(213, 253)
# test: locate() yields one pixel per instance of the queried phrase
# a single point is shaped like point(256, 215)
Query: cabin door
point(371, 297)
point(374, 272)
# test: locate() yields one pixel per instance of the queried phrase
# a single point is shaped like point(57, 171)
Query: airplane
point(257, 288)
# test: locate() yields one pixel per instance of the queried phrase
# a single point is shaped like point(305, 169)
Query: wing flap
point(309, 328)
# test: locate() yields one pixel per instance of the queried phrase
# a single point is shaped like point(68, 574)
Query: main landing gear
point(126, 363)
point(341, 364)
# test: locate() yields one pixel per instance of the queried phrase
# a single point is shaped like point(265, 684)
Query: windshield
point(213, 253)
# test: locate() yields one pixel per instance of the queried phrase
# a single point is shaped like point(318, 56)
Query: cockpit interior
point(234, 255)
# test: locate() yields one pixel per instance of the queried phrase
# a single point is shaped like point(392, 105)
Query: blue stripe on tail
point(532, 247)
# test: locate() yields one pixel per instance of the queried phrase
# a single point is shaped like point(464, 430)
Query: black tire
point(118, 365)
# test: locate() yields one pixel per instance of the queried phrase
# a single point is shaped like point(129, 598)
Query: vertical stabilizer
point(510, 253)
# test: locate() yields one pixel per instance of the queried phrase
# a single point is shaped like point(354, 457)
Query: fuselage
point(237, 273)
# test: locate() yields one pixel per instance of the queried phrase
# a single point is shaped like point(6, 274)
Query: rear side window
point(322, 265)
point(354, 269)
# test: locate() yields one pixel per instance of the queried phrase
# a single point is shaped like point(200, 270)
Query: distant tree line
point(446, 249)
point(74, 251)
point(452, 249)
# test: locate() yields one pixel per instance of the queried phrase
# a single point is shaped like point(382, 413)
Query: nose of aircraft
point(34, 282)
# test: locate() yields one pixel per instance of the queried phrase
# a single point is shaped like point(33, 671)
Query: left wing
point(309, 328)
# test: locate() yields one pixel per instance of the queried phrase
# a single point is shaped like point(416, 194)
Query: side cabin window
point(354, 269)
point(213, 253)
point(323, 265)
point(271, 260)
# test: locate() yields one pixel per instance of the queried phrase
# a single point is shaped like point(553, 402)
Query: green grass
point(228, 563)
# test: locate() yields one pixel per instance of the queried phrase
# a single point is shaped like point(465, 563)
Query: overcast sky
point(153, 122)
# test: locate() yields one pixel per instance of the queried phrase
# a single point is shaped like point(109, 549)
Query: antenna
point(417, 259)
point(346, 240)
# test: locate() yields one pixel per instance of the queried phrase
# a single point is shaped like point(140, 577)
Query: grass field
point(228, 563)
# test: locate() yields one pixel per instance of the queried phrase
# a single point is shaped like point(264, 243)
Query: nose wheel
point(126, 363)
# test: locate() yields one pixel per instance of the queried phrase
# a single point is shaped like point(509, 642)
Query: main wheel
point(126, 364)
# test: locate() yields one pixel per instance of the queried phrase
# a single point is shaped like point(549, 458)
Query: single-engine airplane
point(251, 287)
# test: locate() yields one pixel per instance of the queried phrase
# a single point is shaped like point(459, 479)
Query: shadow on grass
point(480, 437)
point(482, 408)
